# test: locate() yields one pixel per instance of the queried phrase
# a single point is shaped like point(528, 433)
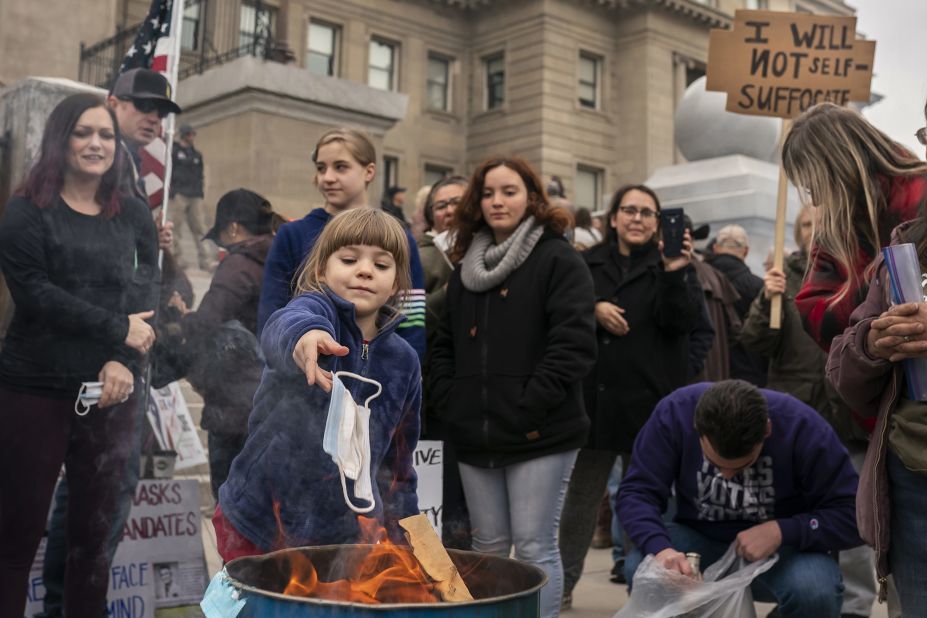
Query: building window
point(390, 172)
point(381, 72)
point(589, 80)
point(321, 49)
point(494, 66)
point(693, 73)
point(256, 27)
point(588, 187)
point(439, 72)
point(435, 173)
point(190, 30)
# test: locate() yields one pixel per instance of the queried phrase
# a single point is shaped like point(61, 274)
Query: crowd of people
point(590, 386)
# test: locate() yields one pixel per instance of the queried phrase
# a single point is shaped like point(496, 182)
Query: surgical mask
point(88, 395)
point(347, 439)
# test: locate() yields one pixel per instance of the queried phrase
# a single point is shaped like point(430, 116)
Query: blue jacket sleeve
point(396, 478)
point(286, 326)
point(829, 482)
point(646, 487)
point(412, 303)
point(279, 269)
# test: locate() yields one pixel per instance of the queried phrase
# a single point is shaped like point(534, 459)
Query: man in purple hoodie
point(751, 467)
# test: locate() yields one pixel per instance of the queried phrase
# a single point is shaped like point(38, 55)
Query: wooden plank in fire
point(427, 548)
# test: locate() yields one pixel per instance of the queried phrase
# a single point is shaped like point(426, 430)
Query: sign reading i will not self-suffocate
point(781, 64)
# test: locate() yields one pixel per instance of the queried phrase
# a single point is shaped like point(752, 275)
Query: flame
point(389, 573)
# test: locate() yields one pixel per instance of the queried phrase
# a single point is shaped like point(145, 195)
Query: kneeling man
point(753, 467)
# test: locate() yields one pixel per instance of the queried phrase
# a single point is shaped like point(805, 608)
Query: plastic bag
point(724, 591)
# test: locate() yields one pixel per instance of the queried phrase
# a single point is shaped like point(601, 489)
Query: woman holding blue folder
point(867, 367)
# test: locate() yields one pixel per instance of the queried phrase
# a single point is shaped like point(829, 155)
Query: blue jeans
point(614, 481)
point(804, 584)
point(908, 550)
point(520, 505)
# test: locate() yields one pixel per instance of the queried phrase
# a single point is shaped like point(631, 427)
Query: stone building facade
point(585, 90)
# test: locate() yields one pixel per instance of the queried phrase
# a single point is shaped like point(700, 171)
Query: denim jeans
point(804, 584)
point(908, 550)
point(584, 495)
point(520, 505)
point(614, 481)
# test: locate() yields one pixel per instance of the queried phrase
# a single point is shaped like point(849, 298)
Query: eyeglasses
point(633, 211)
point(454, 201)
point(146, 106)
point(921, 135)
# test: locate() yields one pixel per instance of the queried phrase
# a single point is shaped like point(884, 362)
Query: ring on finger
point(906, 338)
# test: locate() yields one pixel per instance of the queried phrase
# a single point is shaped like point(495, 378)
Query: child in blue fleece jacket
point(345, 164)
point(752, 467)
point(283, 490)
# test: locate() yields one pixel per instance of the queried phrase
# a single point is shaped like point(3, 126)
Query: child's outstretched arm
point(296, 335)
point(396, 476)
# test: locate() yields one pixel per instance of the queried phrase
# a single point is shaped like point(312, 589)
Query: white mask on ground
point(347, 439)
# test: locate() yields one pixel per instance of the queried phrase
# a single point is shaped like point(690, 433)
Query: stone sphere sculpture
point(705, 130)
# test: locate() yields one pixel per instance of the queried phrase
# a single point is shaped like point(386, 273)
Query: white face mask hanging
point(88, 395)
point(347, 439)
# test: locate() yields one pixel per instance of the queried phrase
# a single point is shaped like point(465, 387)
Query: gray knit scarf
point(487, 265)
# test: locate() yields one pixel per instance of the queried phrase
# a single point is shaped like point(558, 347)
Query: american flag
point(155, 47)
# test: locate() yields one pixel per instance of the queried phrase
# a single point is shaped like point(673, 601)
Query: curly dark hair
point(468, 218)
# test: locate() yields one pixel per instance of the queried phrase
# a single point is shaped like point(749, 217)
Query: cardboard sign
point(781, 64)
point(428, 461)
point(160, 560)
point(173, 426)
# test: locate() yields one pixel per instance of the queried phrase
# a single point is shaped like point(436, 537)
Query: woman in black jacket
point(220, 334)
point(646, 306)
point(515, 342)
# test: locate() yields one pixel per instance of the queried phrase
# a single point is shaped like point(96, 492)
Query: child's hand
point(306, 356)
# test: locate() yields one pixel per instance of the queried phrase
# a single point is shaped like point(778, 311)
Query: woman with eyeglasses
point(646, 305)
point(865, 184)
point(440, 204)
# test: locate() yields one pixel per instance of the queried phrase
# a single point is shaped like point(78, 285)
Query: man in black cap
point(187, 195)
point(392, 203)
point(140, 98)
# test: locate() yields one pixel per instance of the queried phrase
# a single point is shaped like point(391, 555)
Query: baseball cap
point(186, 129)
point(242, 206)
point(394, 190)
point(145, 84)
point(698, 233)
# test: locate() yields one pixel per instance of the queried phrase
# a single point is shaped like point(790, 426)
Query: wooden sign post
point(781, 64)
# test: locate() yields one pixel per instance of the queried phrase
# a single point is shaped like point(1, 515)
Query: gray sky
point(898, 27)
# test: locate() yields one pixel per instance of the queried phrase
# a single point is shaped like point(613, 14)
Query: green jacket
point(796, 363)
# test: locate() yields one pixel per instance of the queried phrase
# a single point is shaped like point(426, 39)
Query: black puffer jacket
point(508, 363)
point(635, 371)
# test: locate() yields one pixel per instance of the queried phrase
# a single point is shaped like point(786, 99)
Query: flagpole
point(173, 69)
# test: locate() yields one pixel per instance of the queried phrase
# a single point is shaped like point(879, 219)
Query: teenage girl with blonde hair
point(345, 165)
point(283, 490)
point(865, 184)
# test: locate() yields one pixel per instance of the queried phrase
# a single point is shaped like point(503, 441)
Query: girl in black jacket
point(646, 305)
point(516, 339)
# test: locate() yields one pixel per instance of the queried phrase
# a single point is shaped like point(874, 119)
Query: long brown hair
point(468, 217)
point(839, 157)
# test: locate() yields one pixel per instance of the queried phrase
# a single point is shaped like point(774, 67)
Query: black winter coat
point(635, 371)
point(507, 364)
point(745, 365)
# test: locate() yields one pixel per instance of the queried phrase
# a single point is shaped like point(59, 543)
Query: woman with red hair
point(80, 260)
point(516, 340)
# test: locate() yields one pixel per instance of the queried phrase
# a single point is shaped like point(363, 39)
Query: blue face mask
point(347, 439)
